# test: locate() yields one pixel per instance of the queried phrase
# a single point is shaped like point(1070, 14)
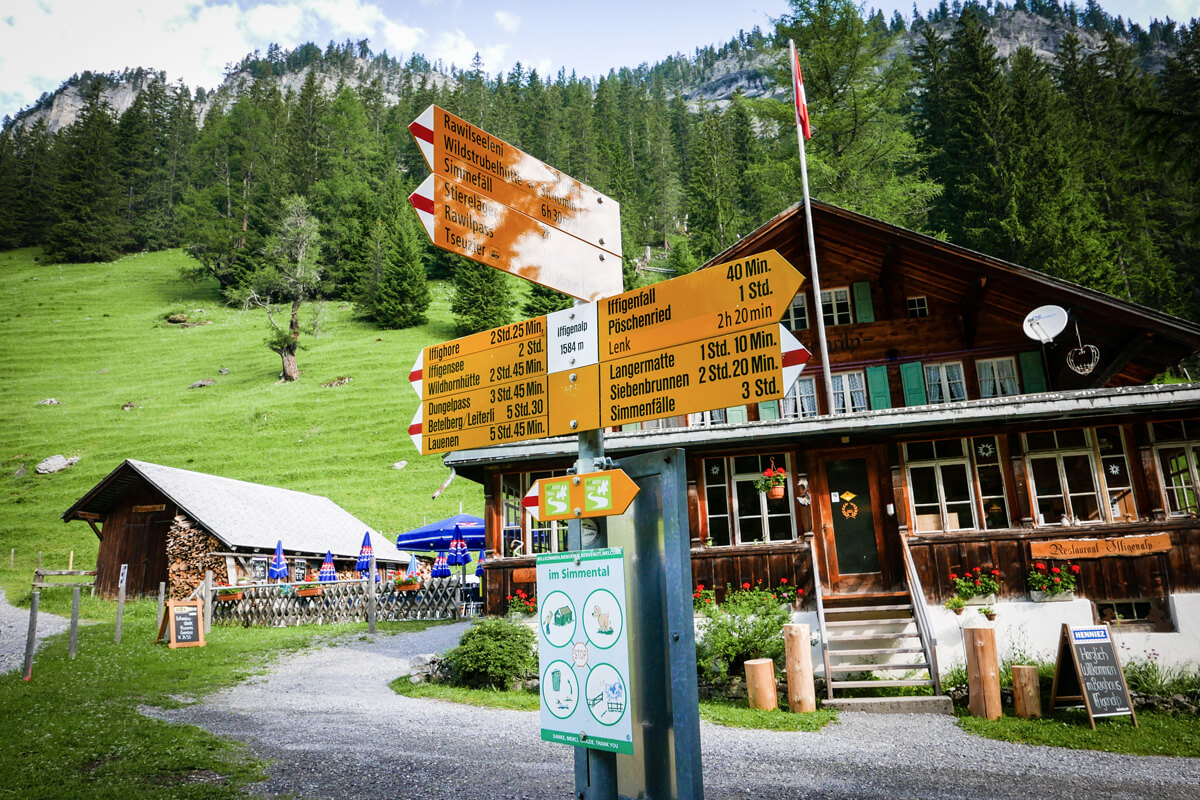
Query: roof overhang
point(991, 413)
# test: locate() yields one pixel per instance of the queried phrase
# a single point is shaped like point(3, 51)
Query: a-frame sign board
point(183, 624)
point(1093, 677)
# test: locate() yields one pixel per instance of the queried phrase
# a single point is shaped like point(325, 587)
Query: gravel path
point(334, 729)
point(14, 629)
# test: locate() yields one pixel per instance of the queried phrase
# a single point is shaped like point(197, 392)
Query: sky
point(44, 42)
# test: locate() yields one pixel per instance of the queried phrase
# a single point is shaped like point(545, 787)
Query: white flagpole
point(812, 246)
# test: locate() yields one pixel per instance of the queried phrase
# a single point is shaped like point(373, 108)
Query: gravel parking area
point(334, 729)
point(14, 629)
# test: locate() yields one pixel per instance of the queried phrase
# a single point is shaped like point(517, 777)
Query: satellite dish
point(1044, 323)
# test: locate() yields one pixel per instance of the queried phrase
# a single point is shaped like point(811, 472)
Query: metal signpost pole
point(595, 770)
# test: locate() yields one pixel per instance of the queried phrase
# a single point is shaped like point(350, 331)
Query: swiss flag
point(798, 92)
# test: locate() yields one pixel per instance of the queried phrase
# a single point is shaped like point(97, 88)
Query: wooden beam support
point(99, 533)
point(1136, 345)
point(968, 309)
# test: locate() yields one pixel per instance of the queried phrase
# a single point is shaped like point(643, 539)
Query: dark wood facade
point(135, 533)
point(920, 321)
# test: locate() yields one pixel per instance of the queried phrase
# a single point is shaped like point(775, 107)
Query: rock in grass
point(203, 383)
point(49, 401)
point(56, 464)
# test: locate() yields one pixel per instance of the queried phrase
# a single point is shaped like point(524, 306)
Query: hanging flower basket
point(773, 482)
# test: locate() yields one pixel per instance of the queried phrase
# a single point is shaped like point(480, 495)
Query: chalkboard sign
point(299, 570)
point(1094, 676)
point(183, 624)
point(258, 570)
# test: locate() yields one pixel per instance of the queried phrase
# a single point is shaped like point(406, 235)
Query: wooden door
point(852, 521)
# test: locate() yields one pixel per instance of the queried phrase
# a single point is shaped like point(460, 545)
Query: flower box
point(1043, 597)
point(229, 597)
point(313, 591)
point(981, 600)
point(407, 587)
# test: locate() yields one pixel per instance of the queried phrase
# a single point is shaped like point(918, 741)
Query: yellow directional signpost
point(702, 341)
point(492, 203)
point(593, 494)
point(706, 340)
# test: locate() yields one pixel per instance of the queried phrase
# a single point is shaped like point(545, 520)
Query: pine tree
point(483, 298)
point(88, 224)
point(542, 300)
point(397, 291)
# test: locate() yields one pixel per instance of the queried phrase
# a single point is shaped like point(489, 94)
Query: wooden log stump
point(983, 672)
point(761, 689)
point(802, 694)
point(1027, 696)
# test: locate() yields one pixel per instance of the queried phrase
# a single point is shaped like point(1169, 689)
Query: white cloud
point(277, 23)
point(346, 17)
point(508, 21)
point(401, 38)
point(455, 47)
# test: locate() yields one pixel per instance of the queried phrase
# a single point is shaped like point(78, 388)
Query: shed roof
point(244, 515)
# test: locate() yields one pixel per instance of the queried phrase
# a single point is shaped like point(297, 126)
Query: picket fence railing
point(281, 605)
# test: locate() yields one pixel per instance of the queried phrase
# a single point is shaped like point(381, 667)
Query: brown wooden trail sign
point(1093, 677)
point(183, 624)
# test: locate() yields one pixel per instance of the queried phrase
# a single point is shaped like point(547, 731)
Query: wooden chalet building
point(955, 441)
point(170, 525)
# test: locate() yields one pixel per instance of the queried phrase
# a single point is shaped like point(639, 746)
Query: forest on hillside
point(1086, 167)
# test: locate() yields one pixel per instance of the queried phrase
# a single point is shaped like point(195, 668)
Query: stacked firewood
point(190, 551)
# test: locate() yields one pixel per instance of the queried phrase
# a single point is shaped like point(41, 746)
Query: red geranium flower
point(746, 585)
point(996, 572)
point(1040, 565)
point(1058, 580)
point(760, 580)
point(1055, 570)
point(979, 569)
point(783, 580)
point(799, 591)
point(953, 576)
point(978, 583)
point(699, 587)
point(1075, 568)
point(709, 600)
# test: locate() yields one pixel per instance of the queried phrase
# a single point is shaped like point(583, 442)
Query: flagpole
point(797, 83)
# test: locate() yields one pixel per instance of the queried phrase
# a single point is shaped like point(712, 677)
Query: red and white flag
point(798, 92)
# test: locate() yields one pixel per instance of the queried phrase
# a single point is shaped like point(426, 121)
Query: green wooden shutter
point(1033, 374)
point(864, 311)
point(877, 388)
point(737, 414)
point(912, 377)
point(768, 410)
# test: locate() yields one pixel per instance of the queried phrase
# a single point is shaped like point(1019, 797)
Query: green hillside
point(93, 336)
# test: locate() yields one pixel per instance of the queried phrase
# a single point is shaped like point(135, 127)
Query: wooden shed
point(170, 524)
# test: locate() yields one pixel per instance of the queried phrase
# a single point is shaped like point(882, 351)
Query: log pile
point(190, 551)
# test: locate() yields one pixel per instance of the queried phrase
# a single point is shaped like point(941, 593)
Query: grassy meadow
point(94, 337)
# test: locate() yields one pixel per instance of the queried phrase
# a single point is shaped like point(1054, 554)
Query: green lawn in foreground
point(92, 336)
point(74, 731)
point(1156, 734)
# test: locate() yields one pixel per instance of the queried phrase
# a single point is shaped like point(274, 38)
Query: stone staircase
point(874, 642)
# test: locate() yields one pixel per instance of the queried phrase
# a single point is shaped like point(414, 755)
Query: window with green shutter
point(737, 414)
point(864, 309)
point(1033, 373)
point(768, 410)
point(878, 391)
point(912, 378)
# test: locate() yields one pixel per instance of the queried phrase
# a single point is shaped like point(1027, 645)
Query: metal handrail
point(917, 596)
point(812, 550)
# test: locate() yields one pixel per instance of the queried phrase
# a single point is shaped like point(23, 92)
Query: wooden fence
point(281, 604)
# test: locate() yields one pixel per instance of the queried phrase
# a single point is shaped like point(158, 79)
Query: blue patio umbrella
point(438, 535)
point(279, 567)
point(440, 568)
point(364, 557)
point(414, 566)
point(479, 566)
point(327, 573)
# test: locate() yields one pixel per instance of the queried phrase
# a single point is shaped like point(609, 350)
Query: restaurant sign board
point(1128, 546)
